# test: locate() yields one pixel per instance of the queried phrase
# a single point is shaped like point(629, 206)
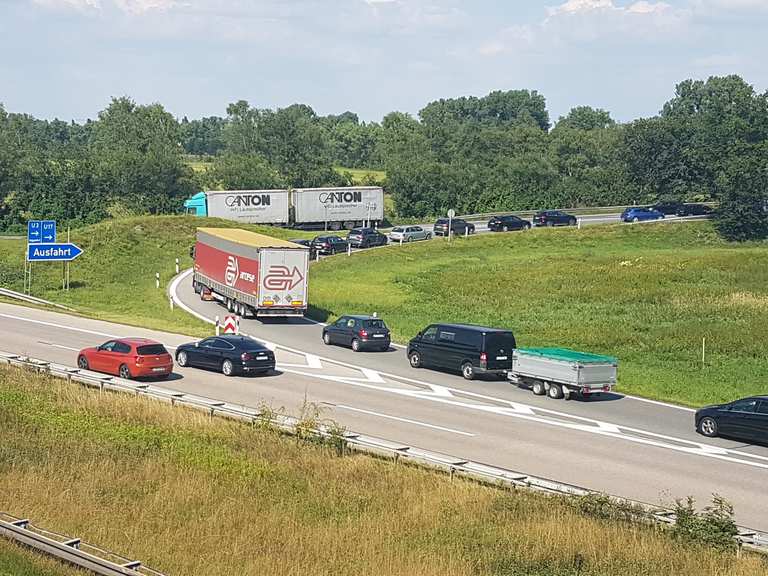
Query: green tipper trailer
point(559, 372)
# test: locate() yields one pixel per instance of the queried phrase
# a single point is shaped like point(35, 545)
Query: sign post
point(42, 247)
point(451, 215)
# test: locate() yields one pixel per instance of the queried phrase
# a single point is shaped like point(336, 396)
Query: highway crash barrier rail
point(71, 550)
point(31, 299)
point(747, 538)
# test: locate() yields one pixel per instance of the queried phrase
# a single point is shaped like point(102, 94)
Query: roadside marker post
point(578, 224)
point(157, 279)
point(451, 214)
point(217, 325)
point(177, 265)
point(349, 249)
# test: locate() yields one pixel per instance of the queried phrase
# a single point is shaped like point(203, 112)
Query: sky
point(67, 58)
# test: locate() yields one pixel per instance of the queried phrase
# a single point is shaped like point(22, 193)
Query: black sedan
point(458, 226)
point(507, 223)
point(667, 208)
point(554, 218)
point(746, 419)
point(359, 332)
point(228, 354)
point(327, 245)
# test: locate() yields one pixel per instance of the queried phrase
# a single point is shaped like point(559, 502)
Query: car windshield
point(376, 324)
point(151, 350)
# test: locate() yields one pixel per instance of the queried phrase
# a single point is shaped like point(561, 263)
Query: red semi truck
point(252, 274)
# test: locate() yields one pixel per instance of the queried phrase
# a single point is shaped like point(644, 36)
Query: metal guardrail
point(31, 299)
point(454, 466)
point(71, 550)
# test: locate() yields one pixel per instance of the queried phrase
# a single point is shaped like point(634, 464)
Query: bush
point(713, 527)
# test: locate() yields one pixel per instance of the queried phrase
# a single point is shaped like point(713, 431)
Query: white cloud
point(143, 6)
point(79, 5)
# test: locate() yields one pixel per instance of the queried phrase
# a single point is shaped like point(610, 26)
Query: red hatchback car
point(128, 358)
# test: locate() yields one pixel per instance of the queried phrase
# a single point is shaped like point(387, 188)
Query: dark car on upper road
point(553, 218)
point(366, 237)
point(358, 332)
point(128, 358)
point(668, 208)
point(458, 226)
point(229, 354)
point(507, 223)
point(327, 245)
point(468, 349)
point(746, 419)
point(641, 215)
point(694, 210)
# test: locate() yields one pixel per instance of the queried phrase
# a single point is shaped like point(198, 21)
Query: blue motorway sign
point(49, 231)
point(52, 252)
point(34, 232)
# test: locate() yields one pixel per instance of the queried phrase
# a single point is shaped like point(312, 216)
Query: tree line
point(499, 152)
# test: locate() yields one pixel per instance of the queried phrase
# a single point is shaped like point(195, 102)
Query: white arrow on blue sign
point(49, 231)
point(34, 232)
point(52, 252)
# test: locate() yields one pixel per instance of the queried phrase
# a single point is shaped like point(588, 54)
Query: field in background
point(648, 294)
point(363, 175)
point(115, 278)
point(188, 494)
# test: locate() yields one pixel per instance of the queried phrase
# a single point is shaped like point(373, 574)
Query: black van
point(472, 350)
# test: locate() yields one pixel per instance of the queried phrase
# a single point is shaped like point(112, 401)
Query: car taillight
point(363, 334)
point(139, 360)
point(245, 356)
point(483, 358)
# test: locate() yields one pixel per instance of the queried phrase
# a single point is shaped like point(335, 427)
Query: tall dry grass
point(192, 495)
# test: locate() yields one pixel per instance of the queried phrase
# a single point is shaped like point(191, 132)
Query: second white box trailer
point(559, 372)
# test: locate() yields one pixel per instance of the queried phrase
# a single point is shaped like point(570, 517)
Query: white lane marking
point(314, 361)
point(590, 426)
point(54, 325)
point(406, 420)
point(59, 346)
point(659, 403)
point(372, 375)
point(174, 295)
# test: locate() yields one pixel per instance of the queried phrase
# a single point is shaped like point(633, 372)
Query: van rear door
point(283, 278)
point(498, 348)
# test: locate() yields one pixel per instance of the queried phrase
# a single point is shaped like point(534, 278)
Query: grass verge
point(18, 561)
point(192, 495)
point(648, 294)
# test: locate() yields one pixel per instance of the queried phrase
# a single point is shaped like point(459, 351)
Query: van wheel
point(538, 388)
point(555, 391)
point(356, 345)
point(415, 359)
point(468, 371)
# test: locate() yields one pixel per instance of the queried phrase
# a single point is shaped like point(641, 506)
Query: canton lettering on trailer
point(52, 252)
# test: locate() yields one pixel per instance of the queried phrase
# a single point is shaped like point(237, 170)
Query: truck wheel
point(555, 391)
point(708, 427)
point(538, 388)
point(468, 371)
point(415, 359)
point(227, 368)
point(356, 345)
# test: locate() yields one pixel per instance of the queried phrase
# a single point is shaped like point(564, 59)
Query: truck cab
point(196, 205)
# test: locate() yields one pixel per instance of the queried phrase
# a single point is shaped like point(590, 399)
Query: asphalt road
point(624, 446)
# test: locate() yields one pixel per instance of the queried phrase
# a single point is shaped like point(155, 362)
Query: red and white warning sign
point(230, 325)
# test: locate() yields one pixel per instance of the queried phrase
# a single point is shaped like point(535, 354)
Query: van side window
point(447, 336)
point(470, 338)
point(429, 334)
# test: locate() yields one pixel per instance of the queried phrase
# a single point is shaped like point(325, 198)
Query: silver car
point(408, 234)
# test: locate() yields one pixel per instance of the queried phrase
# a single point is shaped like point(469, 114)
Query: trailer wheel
point(555, 391)
point(538, 388)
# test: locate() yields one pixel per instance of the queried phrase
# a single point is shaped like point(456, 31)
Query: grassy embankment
point(115, 277)
point(647, 294)
point(18, 561)
point(192, 495)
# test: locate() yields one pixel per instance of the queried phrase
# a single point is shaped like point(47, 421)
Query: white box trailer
point(249, 206)
point(559, 372)
point(338, 207)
